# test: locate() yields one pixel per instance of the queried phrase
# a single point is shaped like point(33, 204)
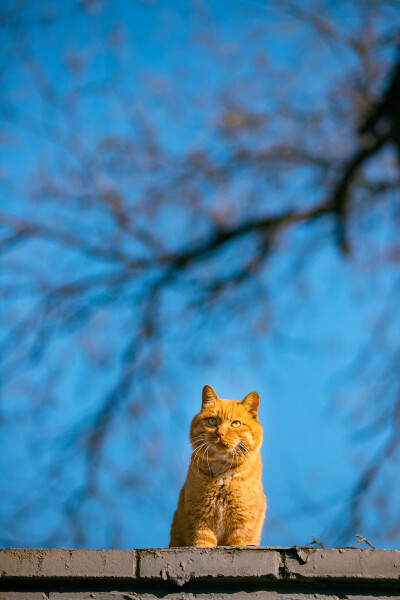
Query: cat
point(222, 502)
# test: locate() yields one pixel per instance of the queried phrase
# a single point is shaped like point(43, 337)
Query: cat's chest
point(219, 522)
point(223, 489)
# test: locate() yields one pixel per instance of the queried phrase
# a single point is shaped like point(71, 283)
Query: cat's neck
point(223, 468)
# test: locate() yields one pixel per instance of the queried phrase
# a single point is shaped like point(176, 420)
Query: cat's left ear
point(251, 402)
point(209, 396)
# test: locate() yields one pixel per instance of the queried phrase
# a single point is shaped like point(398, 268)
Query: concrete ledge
point(342, 564)
point(181, 565)
point(59, 563)
point(147, 568)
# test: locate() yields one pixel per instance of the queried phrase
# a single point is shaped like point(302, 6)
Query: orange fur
point(222, 501)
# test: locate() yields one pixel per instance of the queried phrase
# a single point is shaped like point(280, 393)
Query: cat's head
point(227, 427)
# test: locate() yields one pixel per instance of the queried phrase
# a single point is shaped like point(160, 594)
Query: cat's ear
point(251, 402)
point(209, 396)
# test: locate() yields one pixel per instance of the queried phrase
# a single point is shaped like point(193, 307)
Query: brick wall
point(200, 574)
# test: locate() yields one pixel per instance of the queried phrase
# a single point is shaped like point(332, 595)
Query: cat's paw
point(205, 544)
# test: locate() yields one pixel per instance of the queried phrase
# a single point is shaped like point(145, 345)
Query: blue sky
point(309, 453)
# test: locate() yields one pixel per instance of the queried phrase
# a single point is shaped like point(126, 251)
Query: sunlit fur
point(222, 501)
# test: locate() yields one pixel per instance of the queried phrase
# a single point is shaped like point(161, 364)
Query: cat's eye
point(212, 421)
point(236, 424)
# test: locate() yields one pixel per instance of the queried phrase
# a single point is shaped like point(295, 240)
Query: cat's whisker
point(196, 450)
point(197, 441)
point(244, 447)
point(189, 446)
point(204, 439)
point(196, 444)
point(196, 454)
point(194, 441)
point(204, 456)
point(198, 459)
point(195, 447)
point(209, 468)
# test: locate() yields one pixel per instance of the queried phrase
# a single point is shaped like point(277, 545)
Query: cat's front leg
point(204, 537)
point(243, 534)
point(245, 530)
point(238, 540)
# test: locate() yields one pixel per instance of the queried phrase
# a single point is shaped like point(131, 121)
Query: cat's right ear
point(251, 402)
point(209, 396)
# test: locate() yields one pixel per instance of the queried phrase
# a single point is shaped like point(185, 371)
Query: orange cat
point(222, 501)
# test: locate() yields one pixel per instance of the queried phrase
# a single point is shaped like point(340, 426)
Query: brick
point(181, 565)
point(23, 595)
point(33, 563)
point(342, 564)
point(95, 595)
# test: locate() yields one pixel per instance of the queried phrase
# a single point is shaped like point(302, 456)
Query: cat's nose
point(220, 433)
